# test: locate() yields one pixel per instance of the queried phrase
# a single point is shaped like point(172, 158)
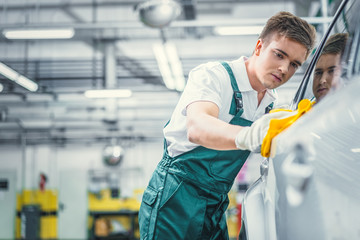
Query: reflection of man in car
point(328, 68)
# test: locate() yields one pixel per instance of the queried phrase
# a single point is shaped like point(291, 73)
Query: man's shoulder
point(214, 65)
point(207, 66)
point(213, 70)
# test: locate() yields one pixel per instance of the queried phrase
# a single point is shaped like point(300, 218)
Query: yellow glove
point(276, 126)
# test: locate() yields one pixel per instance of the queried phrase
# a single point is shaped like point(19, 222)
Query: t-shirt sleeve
point(204, 84)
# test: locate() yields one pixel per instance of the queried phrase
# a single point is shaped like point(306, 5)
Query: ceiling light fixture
point(158, 13)
point(61, 33)
point(18, 78)
point(355, 150)
point(238, 30)
point(108, 93)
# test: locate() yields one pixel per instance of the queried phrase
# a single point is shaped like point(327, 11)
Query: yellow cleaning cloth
point(276, 126)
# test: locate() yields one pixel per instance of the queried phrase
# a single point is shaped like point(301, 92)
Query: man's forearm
point(211, 132)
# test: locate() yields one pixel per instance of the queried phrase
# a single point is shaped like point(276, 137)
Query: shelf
point(128, 213)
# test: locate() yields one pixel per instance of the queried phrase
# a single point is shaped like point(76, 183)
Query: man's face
point(277, 60)
point(327, 72)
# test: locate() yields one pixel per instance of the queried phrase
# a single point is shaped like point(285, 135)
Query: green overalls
point(188, 194)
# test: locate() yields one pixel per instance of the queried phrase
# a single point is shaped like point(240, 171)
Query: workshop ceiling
point(112, 48)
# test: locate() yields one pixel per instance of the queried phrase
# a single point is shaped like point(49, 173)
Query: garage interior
point(74, 166)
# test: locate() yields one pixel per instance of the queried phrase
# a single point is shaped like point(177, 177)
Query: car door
point(316, 161)
point(304, 191)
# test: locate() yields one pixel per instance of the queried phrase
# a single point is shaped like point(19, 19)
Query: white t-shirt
point(211, 82)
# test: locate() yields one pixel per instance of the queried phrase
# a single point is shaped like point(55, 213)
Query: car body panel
point(327, 206)
point(309, 187)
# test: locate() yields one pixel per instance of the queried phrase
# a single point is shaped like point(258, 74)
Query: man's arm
point(204, 127)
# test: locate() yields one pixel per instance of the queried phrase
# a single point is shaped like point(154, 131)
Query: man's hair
point(292, 27)
point(335, 44)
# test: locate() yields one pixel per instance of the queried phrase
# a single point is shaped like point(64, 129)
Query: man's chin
point(272, 85)
point(320, 97)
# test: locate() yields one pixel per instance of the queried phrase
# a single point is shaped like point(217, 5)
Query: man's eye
point(294, 65)
point(318, 73)
point(278, 55)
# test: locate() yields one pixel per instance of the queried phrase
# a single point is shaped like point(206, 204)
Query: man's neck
point(254, 81)
point(260, 96)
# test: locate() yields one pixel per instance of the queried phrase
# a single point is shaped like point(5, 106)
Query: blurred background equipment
point(30, 222)
point(113, 155)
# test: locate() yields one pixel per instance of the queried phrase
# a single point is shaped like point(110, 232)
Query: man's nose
point(284, 67)
point(323, 79)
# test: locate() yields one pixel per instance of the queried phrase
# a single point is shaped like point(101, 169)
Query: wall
point(134, 172)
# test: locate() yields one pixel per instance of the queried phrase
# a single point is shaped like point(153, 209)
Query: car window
point(337, 56)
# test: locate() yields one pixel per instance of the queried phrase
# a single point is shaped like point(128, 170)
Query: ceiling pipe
point(324, 10)
point(175, 24)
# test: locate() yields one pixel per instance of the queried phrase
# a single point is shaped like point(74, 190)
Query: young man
point(211, 133)
point(328, 67)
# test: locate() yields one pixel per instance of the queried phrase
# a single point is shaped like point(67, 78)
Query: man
point(328, 67)
point(209, 136)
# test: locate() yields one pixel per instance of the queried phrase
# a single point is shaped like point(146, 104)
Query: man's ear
point(259, 45)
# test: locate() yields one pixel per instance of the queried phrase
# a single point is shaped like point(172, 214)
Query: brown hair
point(288, 25)
point(335, 44)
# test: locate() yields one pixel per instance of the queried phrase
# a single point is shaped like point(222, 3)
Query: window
point(338, 61)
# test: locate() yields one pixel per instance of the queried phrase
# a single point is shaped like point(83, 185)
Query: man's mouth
point(277, 78)
point(322, 90)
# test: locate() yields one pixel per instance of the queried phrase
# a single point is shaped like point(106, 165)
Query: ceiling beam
point(12, 5)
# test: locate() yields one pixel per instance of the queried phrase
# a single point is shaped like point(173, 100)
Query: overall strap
point(237, 102)
point(268, 108)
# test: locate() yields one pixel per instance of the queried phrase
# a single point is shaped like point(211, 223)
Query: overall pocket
point(181, 210)
point(148, 213)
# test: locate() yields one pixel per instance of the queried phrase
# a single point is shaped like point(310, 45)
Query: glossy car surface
point(309, 188)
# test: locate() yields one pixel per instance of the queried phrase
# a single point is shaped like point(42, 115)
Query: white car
point(310, 185)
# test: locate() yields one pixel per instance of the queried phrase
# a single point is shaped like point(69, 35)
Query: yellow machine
point(47, 202)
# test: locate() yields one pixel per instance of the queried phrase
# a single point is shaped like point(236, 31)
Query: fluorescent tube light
point(18, 78)
point(169, 65)
point(175, 65)
point(108, 93)
point(238, 30)
point(8, 72)
point(26, 83)
point(61, 33)
point(355, 150)
point(163, 65)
